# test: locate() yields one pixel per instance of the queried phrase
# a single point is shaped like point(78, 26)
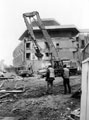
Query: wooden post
point(84, 115)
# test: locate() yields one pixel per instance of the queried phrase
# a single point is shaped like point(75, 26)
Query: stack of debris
point(8, 88)
point(77, 94)
point(75, 115)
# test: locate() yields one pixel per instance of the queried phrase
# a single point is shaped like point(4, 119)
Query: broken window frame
point(47, 54)
point(28, 45)
point(57, 44)
point(28, 56)
point(82, 43)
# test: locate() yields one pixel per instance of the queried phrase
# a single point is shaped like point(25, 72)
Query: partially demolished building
point(62, 37)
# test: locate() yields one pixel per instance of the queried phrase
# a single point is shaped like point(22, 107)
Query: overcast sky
point(12, 25)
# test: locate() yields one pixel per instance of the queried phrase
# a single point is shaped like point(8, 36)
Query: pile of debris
point(77, 93)
point(9, 88)
point(75, 115)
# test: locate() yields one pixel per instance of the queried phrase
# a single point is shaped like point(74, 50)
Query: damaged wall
point(61, 37)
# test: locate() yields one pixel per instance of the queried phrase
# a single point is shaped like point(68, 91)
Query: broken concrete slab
point(11, 118)
point(11, 91)
point(76, 114)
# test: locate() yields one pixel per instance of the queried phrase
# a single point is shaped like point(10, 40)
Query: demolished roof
point(47, 22)
point(52, 25)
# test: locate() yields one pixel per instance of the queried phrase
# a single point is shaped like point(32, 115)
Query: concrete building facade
point(83, 45)
point(62, 37)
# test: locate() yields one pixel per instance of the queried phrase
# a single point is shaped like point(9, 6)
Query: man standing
point(66, 80)
point(50, 77)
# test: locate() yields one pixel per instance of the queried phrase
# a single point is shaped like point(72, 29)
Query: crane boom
point(30, 31)
point(55, 61)
point(48, 40)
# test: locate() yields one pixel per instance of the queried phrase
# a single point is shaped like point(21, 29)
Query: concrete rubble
point(27, 99)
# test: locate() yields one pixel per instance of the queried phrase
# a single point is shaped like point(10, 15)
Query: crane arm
point(30, 30)
point(48, 40)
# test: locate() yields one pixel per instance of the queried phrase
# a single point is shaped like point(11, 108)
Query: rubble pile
point(27, 99)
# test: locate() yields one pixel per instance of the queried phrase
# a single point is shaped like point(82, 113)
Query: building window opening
point(47, 54)
point(27, 45)
point(77, 46)
point(28, 56)
point(57, 44)
point(82, 44)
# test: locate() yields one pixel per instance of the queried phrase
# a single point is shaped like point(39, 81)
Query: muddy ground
point(36, 104)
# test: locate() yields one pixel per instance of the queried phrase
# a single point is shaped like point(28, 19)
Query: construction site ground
point(35, 104)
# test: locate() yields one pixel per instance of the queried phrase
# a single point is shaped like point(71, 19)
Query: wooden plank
point(11, 118)
point(5, 95)
point(87, 116)
point(11, 91)
point(4, 78)
point(2, 84)
point(84, 91)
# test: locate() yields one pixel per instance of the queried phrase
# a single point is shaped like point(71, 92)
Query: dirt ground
point(36, 104)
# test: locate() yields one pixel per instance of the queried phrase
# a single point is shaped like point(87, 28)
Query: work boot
point(65, 93)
